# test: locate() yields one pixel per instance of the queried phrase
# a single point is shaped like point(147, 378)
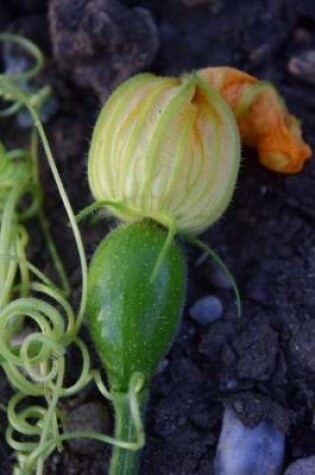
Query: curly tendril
point(35, 362)
point(36, 368)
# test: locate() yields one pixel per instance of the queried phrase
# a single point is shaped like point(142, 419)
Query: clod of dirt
point(100, 43)
point(257, 349)
point(302, 351)
point(216, 337)
point(253, 408)
point(304, 466)
point(248, 451)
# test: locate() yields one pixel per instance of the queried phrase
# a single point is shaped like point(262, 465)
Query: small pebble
point(248, 451)
point(91, 416)
point(206, 310)
point(304, 466)
point(303, 67)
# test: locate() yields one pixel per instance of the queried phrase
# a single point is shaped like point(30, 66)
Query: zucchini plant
point(164, 159)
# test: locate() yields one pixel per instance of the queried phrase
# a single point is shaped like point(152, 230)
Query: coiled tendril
point(35, 363)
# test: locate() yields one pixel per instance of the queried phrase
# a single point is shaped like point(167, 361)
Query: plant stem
point(65, 285)
point(126, 461)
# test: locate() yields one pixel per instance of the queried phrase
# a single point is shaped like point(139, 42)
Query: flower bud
point(166, 149)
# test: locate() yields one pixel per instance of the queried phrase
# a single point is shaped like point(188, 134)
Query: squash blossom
point(262, 117)
point(165, 148)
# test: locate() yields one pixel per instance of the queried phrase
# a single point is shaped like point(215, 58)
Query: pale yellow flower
point(166, 149)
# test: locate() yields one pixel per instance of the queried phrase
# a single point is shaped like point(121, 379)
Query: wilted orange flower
point(262, 117)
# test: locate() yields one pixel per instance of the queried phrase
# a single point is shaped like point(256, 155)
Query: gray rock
point(304, 466)
point(248, 451)
point(206, 310)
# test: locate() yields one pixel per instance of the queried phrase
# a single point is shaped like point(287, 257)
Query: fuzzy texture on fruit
point(132, 319)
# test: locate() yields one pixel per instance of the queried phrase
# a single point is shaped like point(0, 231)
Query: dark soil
point(264, 363)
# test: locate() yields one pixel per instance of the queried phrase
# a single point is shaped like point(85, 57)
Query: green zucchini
point(133, 318)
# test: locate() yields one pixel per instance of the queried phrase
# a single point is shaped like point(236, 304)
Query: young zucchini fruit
point(164, 158)
point(132, 318)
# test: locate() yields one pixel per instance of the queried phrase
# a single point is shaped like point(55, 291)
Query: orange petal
point(229, 81)
point(262, 117)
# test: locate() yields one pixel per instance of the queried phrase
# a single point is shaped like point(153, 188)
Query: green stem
point(126, 461)
point(65, 286)
point(64, 282)
point(9, 91)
